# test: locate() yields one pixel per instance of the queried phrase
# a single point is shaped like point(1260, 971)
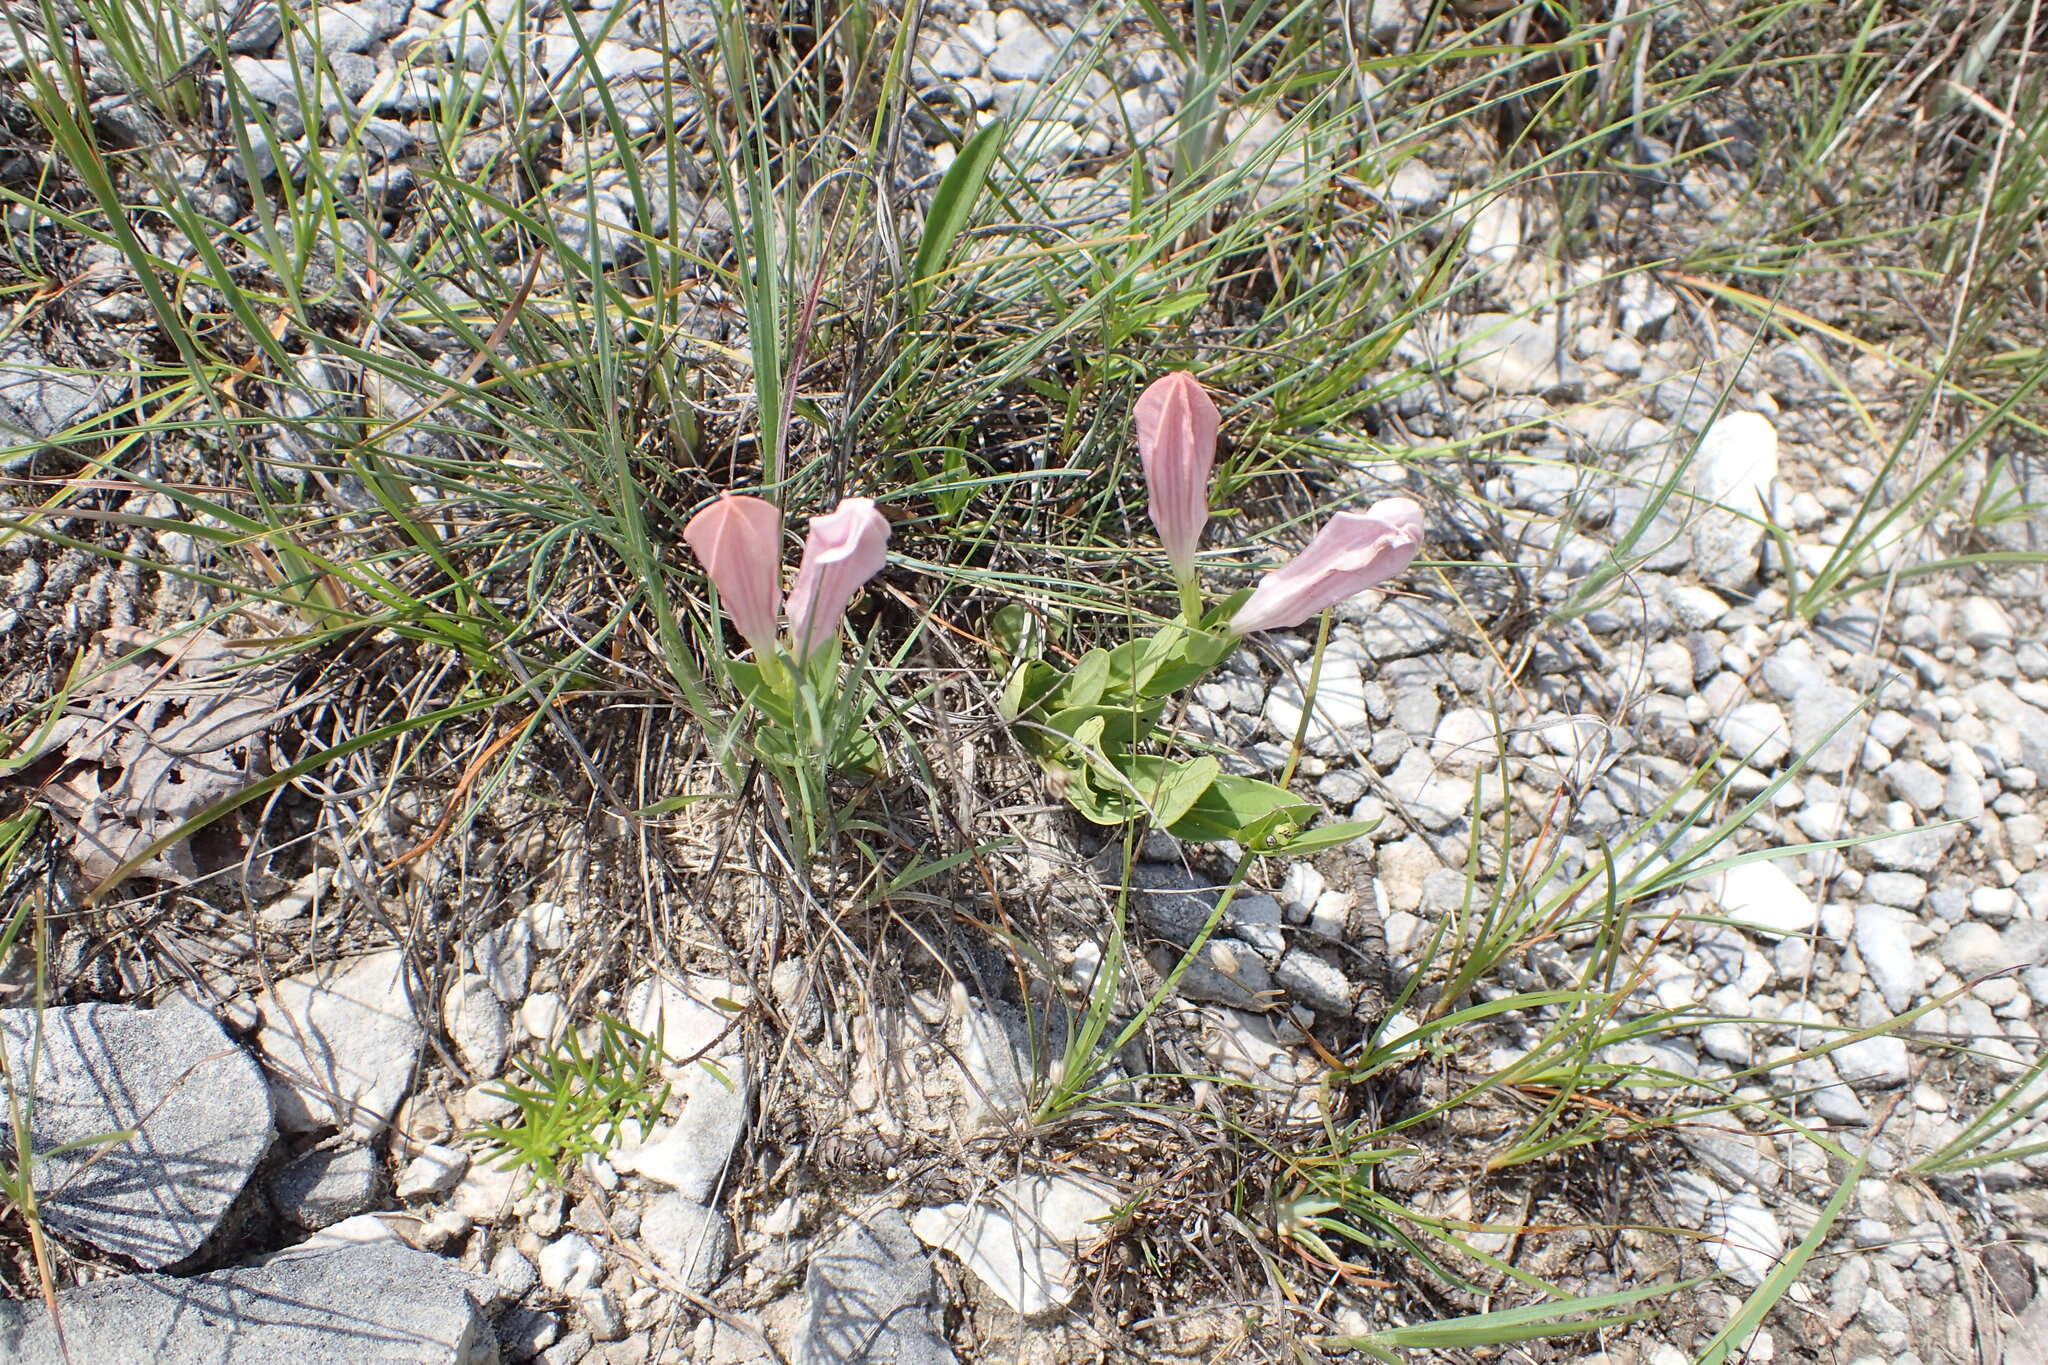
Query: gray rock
point(946, 55)
point(1311, 981)
point(1019, 1240)
point(600, 1314)
point(1818, 709)
point(435, 1171)
point(382, 1302)
point(570, 1264)
point(572, 1349)
point(1757, 733)
point(1384, 18)
point(527, 1333)
point(1225, 972)
point(385, 140)
point(1916, 850)
point(1985, 624)
point(504, 958)
point(341, 1043)
point(281, 82)
point(321, 1188)
point(1516, 355)
point(869, 1297)
point(258, 32)
point(38, 400)
point(1962, 797)
point(1340, 721)
point(1918, 785)
point(1873, 1063)
point(1023, 52)
point(688, 1240)
point(2016, 722)
point(2026, 942)
point(1749, 1238)
point(1171, 900)
point(1732, 472)
point(1973, 949)
point(476, 1022)
point(1900, 889)
point(1645, 305)
point(1762, 897)
point(196, 1102)
point(355, 26)
point(1435, 799)
point(689, 1154)
point(513, 1272)
point(1413, 185)
point(1394, 627)
point(1887, 953)
point(997, 1064)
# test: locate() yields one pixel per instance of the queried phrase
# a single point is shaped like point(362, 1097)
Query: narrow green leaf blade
point(952, 205)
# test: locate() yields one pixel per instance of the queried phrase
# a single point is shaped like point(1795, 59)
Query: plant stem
point(1308, 699)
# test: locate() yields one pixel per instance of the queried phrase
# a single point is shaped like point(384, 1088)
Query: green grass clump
point(574, 1103)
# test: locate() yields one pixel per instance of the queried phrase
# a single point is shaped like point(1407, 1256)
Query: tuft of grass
point(574, 1103)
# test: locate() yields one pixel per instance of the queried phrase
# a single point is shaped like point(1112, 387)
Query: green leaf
point(1028, 686)
point(1089, 680)
point(759, 693)
point(1121, 726)
point(1016, 633)
point(952, 205)
point(1328, 836)
point(1194, 654)
point(1097, 802)
point(1171, 789)
point(1774, 1287)
point(857, 752)
point(1245, 810)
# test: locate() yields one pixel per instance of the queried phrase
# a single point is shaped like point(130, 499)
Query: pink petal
point(738, 540)
point(1177, 446)
point(1354, 551)
point(845, 548)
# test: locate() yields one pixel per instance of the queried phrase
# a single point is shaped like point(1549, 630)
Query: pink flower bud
point(1354, 551)
point(845, 548)
point(1177, 445)
point(738, 540)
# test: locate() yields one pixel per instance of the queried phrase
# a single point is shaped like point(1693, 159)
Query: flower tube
point(738, 540)
point(1177, 446)
point(1354, 551)
point(845, 548)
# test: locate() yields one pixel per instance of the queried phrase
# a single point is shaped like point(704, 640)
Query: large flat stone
point(197, 1105)
point(382, 1302)
point(341, 1043)
point(869, 1300)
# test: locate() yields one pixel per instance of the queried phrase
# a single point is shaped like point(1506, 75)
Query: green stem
point(1187, 959)
point(1308, 699)
point(1191, 602)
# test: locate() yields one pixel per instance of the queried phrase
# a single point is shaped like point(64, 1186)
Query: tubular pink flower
point(1177, 445)
point(1354, 551)
point(738, 540)
point(845, 548)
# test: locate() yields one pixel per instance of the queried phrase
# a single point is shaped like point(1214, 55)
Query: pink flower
point(845, 548)
point(1354, 551)
point(738, 540)
point(1177, 445)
